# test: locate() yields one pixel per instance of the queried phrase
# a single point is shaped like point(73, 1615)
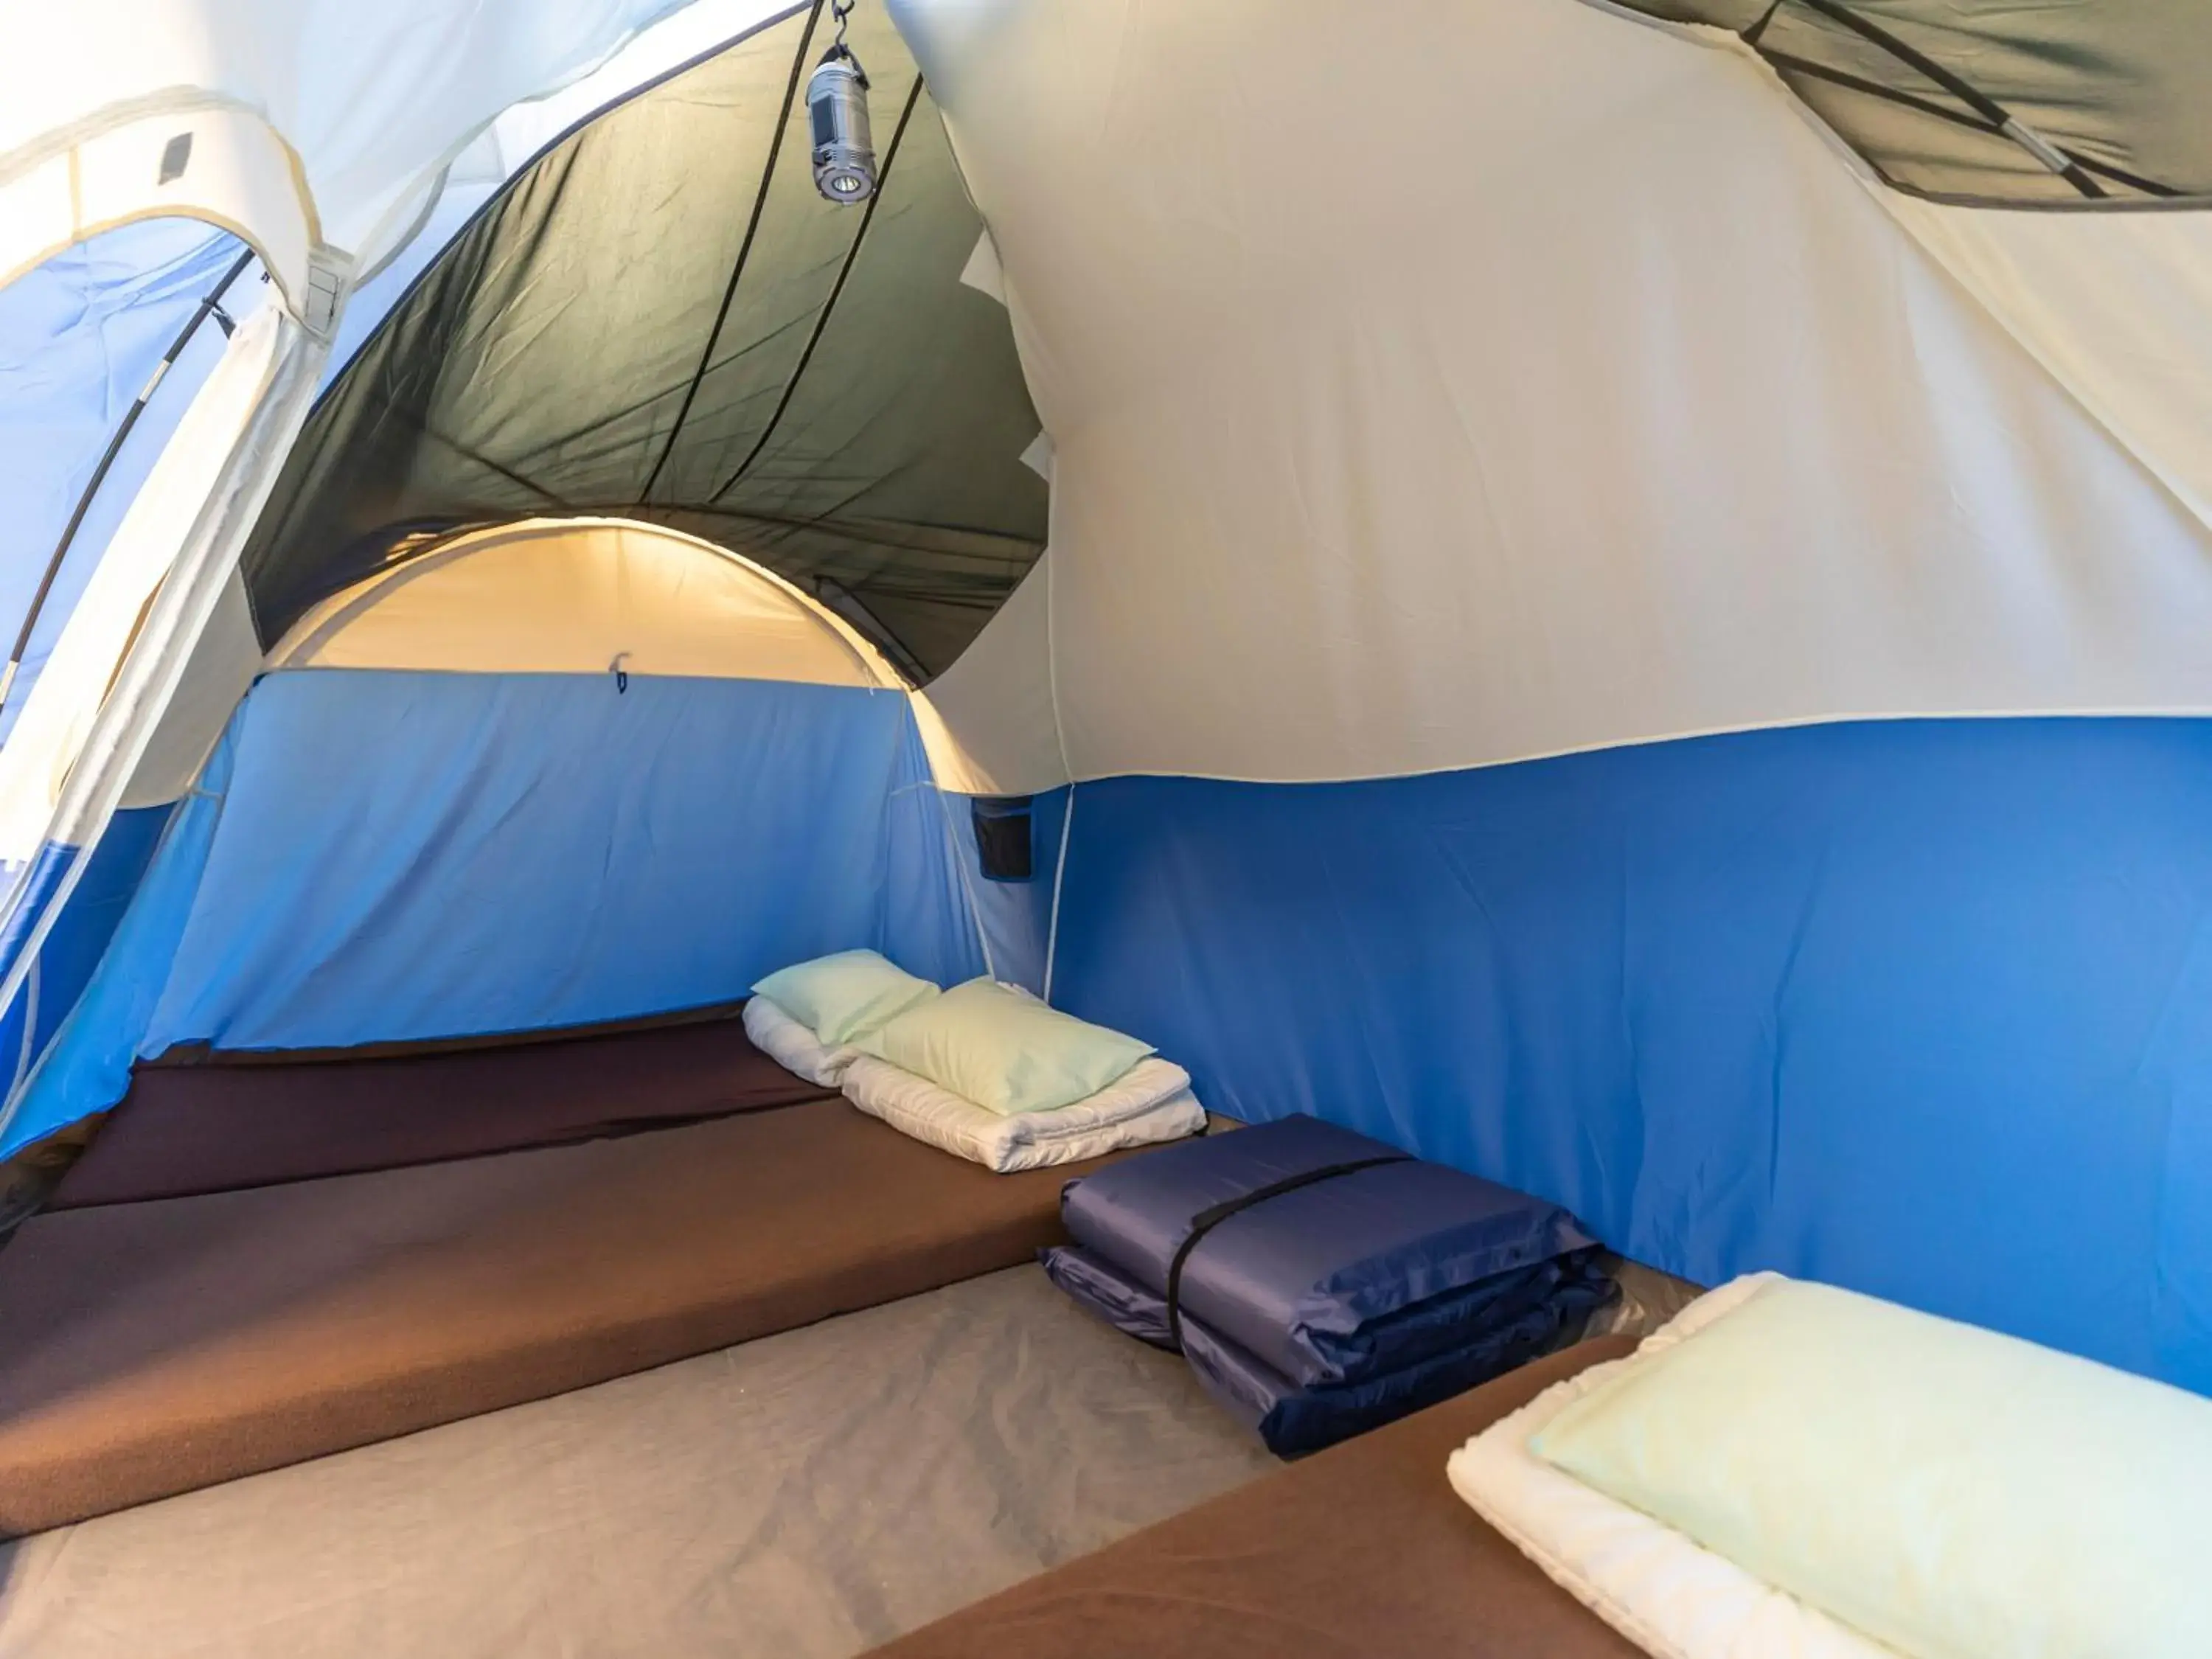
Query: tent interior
point(1609, 597)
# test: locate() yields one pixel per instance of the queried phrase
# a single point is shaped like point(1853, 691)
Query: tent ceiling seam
point(1790, 63)
point(489, 464)
point(745, 252)
point(2002, 121)
point(830, 304)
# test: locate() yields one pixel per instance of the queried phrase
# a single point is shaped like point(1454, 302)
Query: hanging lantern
point(837, 110)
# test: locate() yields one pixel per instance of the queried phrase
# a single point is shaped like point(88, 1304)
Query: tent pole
point(210, 305)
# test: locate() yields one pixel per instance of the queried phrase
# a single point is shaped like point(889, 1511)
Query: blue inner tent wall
point(1923, 1007)
point(379, 856)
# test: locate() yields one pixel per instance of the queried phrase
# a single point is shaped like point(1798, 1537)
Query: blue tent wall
point(1924, 1008)
point(80, 933)
point(87, 1068)
point(379, 856)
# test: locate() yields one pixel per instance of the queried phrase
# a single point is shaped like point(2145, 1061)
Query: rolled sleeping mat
point(1320, 1282)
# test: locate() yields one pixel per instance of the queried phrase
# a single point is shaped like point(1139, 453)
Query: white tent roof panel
point(311, 120)
point(1445, 385)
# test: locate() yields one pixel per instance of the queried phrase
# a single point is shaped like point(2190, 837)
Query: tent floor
point(1360, 1551)
point(802, 1497)
point(153, 1348)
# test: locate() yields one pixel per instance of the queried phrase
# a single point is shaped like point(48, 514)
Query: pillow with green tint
point(1952, 1493)
point(841, 996)
point(1004, 1050)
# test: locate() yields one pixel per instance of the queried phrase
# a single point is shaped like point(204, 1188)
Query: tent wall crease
point(1923, 91)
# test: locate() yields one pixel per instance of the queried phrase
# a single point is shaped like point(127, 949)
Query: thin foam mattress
point(154, 1347)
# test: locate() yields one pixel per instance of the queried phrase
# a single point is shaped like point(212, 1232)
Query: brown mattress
point(224, 1122)
point(1363, 1552)
point(151, 1348)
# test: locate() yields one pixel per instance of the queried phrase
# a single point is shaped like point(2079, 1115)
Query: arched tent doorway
point(552, 775)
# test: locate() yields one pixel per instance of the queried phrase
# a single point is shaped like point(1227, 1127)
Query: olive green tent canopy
point(1924, 89)
point(659, 318)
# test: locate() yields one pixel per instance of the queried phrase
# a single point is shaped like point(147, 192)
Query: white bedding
point(1151, 1103)
point(794, 1047)
point(1670, 1596)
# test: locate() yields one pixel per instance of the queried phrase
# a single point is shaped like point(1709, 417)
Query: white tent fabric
point(2113, 305)
point(164, 155)
point(220, 670)
point(293, 122)
point(1631, 415)
point(584, 596)
point(989, 718)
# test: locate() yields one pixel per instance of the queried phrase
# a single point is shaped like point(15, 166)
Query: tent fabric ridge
point(171, 100)
point(2080, 163)
point(829, 305)
point(2000, 120)
point(744, 253)
point(1797, 65)
point(524, 171)
point(1654, 740)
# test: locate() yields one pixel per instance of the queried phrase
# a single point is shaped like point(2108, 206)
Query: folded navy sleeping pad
point(1330, 1283)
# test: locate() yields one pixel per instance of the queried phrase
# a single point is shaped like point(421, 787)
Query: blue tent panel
point(379, 856)
point(1922, 1008)
point(87, 1068)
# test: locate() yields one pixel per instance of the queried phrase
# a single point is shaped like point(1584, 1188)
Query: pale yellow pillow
point(1953, 1493)
point(1004, 1050)
point(838, 997)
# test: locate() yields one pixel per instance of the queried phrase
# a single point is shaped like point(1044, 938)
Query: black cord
point(1794, 64)
point(211, 306)
point(1207, 1219)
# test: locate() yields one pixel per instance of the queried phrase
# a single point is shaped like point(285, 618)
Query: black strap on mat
point(1211, 1217)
